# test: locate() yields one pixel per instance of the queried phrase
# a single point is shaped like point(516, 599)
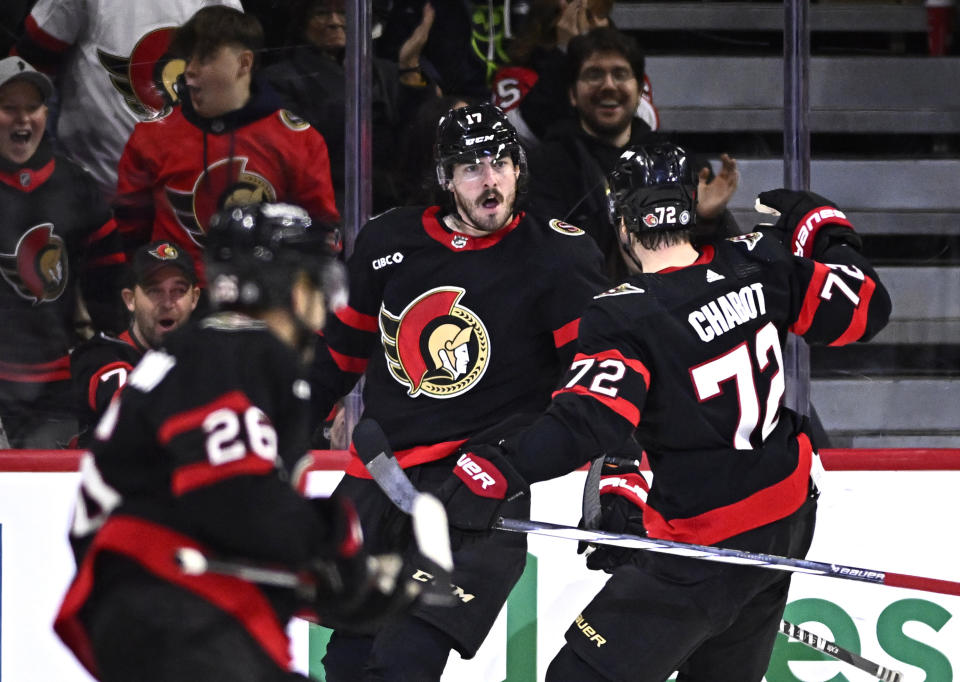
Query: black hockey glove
point(623, 496)
point(354, 590)
point(482, 480)
point(810, 222)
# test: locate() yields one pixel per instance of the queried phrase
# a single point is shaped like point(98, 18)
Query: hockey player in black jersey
point(160, 297)
point(687, 353)
point(459, 316)
point(197, 452)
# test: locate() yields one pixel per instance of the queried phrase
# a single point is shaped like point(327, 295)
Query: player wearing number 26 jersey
point(688, 354)
point(197, 451)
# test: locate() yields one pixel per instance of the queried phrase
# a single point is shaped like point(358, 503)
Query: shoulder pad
point(151, 370)
point(749, 240)
point(565, 228)
point(292, 121)
point(621, 289)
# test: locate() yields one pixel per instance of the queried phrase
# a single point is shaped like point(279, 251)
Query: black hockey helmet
point(653, 187)
point(255, 252)
point(467, 134)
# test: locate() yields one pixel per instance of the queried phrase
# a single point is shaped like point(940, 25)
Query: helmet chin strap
point(626, 247)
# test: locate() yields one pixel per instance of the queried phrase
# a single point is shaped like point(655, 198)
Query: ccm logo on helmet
point(384, 261)
point(812, 222)
point(477, 140)
point(481, 476)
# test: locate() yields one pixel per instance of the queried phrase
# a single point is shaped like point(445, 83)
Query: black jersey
point(454, 333)
point(195, 451)
point(99, 368)
point(55, 232)
point(692, 359)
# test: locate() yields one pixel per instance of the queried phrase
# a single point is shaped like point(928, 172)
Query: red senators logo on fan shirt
point(435, 346)
point(144, 79)
point(38, 268)
point(225, 183)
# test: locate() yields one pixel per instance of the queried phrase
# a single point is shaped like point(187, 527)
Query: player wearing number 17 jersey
point(688, 354)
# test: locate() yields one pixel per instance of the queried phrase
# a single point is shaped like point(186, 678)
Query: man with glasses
point(605, 71)
point(460, 316)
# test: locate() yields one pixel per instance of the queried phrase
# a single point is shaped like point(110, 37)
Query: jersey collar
point(706, 256)
point(455, 241)
point(29, 176)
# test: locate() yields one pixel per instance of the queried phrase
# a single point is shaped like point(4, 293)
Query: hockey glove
point(354, 590)
point(810, 221)
point(623, 496)
point(481, 481)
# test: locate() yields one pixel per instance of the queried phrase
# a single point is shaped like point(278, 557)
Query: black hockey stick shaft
point(591, 510)
point(835, 651)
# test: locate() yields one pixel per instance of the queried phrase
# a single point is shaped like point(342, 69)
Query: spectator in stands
point(12, 14)
point(227, 143)
point(161, 294)
point(417, 180)
point(465, 48)
point(275, 17)
point(312, 84)
point(104, 54)
point(56, 239)
point(532, 89)
point(568, 168)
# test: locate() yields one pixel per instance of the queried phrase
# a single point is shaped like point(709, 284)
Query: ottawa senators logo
point(435, 346)
point(37, 270)
point(565, 228)
point(165, 251)
point(145, 79)
point(225, 184)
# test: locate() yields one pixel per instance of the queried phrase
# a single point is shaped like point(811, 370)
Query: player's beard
point(474, 214)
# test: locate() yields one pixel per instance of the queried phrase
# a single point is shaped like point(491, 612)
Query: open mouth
point(21, 136)
point(491, 201)
point(166, 323)
point(608, 105)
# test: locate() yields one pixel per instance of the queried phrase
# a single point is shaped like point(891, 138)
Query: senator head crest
point(435, 346)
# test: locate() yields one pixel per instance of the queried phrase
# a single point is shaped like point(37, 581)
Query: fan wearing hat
point(161, 296)
point(23, 109)
point(58, 247)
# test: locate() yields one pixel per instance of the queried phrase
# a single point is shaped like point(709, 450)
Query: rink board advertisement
point(889, 520)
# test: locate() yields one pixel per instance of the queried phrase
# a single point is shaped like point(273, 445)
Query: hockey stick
point(373, 449)
point(430, 533)
point(590, 509)
point(833, 650)
point(591, 501)
point(194, 562)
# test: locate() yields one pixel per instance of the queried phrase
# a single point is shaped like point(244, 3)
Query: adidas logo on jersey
point(713, 276)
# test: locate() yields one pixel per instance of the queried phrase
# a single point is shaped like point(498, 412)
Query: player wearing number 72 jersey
point(688, 354)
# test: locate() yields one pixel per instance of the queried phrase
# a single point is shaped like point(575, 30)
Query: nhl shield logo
point(436, 346)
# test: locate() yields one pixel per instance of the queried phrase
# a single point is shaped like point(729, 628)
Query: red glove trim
point(805, 233)
point(634, 487)
point(481, 476)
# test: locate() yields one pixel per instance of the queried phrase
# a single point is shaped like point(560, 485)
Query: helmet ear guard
point(652, 188)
